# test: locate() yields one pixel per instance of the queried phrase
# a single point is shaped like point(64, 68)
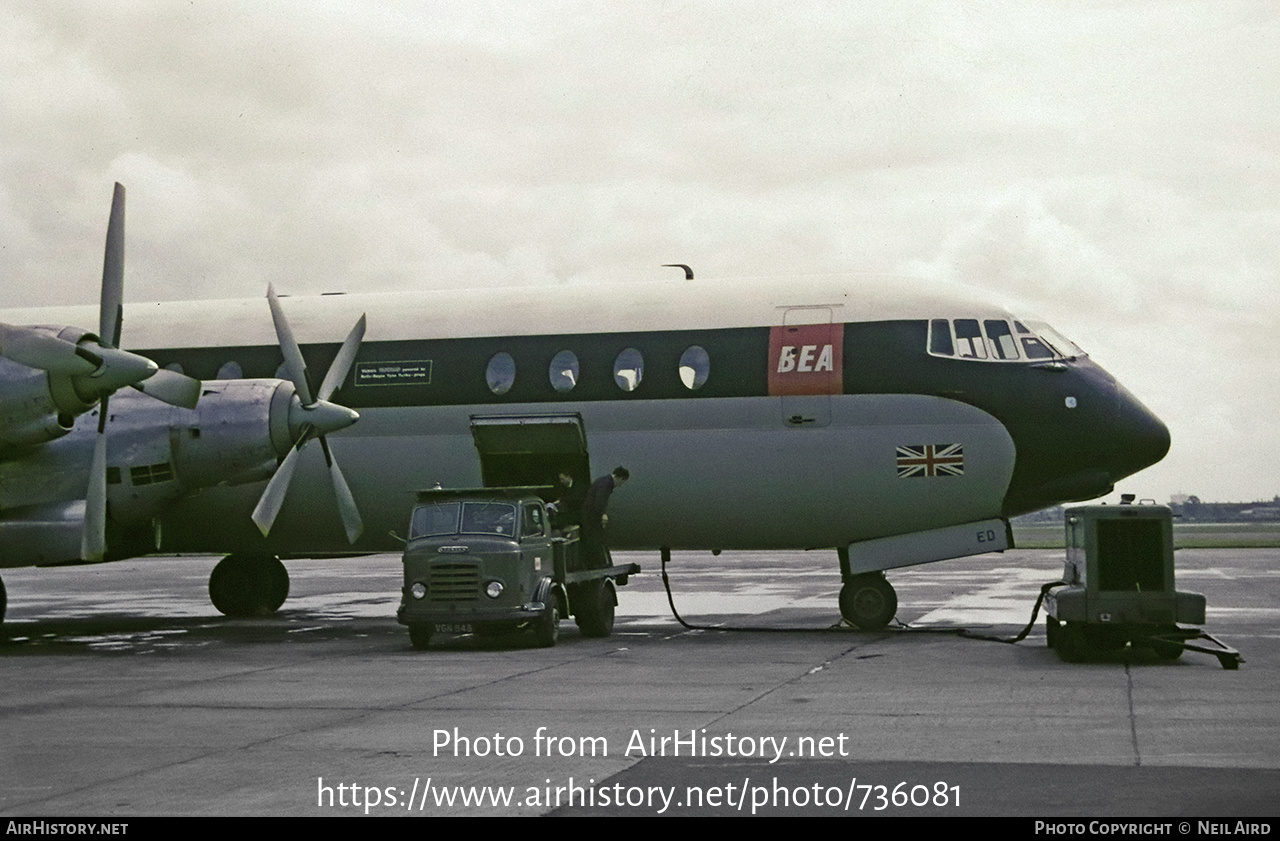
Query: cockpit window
point(1032, 345)
point(998, 340)
point(969, 343)
point(940, 337)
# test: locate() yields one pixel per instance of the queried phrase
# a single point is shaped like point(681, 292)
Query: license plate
point(452, 628)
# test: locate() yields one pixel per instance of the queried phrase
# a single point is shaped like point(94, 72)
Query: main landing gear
point(867, 600)
point(249, 585)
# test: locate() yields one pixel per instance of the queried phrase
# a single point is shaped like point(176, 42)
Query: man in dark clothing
point(595, 551)
point(567, 508)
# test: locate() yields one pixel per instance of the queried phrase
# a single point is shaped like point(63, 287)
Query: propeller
point(312, 418)
point(113, 370)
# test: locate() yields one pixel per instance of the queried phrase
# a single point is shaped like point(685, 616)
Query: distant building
point(1188, 508)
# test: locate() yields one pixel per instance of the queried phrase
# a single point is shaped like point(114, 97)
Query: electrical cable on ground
point(839, 626)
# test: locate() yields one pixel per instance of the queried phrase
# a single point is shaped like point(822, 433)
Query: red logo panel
point(806, 359)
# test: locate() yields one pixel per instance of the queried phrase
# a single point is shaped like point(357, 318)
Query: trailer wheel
point(1051, 631)
point(868, 601)
point(546, 629)
point(595, 603)
point(1166, 650)
point(1072, 644)
point(420, 636)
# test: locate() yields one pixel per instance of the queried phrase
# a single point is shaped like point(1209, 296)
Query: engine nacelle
point(38, 405)
point(235, 435)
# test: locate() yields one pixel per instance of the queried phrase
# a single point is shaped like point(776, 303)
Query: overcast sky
point(1114, 165)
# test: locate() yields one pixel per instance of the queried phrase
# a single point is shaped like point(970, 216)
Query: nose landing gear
point(867, 600)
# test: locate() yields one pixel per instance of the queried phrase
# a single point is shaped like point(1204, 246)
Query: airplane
point(897, 421)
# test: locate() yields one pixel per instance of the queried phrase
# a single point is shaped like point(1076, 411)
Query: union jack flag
point(930, 460)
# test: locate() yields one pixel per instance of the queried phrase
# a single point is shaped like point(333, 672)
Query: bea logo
point(806, 359)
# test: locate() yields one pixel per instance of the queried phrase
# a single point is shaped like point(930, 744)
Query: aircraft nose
point(1140, 438)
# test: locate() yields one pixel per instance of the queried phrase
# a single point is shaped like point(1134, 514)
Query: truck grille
point(454, 582)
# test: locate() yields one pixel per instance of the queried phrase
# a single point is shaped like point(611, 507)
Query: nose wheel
point(868, 601)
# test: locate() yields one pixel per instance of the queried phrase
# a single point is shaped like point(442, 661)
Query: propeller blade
point(172, 388)
point(351, 521)
point(111, 310)
point(46, 353)
point(264, 514)
point(342, 362)
point(93, 543)
point(293, 360)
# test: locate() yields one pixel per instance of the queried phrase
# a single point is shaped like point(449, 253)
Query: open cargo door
point(530, 450)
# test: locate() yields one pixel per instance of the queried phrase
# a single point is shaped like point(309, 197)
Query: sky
point(1112, 166)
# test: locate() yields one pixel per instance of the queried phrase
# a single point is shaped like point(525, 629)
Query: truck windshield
point(440, 518)
point(433, 519)
point(489, 518)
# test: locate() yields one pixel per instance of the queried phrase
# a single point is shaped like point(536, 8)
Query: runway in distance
point(899, 422)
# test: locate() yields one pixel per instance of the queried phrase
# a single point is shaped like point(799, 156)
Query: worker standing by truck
point(595, 516)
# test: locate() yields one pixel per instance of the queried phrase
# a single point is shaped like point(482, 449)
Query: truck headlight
point(418, 590)
point(493, 589)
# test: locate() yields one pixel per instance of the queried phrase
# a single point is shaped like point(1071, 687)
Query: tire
point(595, 604)
point(546, 629)
point(868, 601)
point(1051, 631)
point(4, 600)
point(420, 636)
point(248, 585)
point(1072, 644)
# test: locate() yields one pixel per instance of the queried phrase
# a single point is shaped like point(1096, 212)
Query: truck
point(489, 561)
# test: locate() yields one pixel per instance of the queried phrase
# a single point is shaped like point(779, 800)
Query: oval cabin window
point(695, 365)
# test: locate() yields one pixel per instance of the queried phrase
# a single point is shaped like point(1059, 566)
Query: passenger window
point(940, 337)
point(969, 341)
point(501, 373)
point(563, 371)
point(628, 369)
point(695, 367)
point(1000, 339)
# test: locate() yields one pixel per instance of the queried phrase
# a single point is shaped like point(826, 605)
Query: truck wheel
point(420, 636)
point(546, 630)
point(595, 609)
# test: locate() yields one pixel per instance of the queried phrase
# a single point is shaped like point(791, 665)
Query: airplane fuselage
point(795, 414)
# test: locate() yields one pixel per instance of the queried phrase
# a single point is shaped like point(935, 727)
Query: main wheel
point(868, 601)
point(546, 629)
point(420, 636)
point(595, 607)
point(249, 585)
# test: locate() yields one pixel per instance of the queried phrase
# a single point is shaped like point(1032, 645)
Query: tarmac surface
point(124, 693)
